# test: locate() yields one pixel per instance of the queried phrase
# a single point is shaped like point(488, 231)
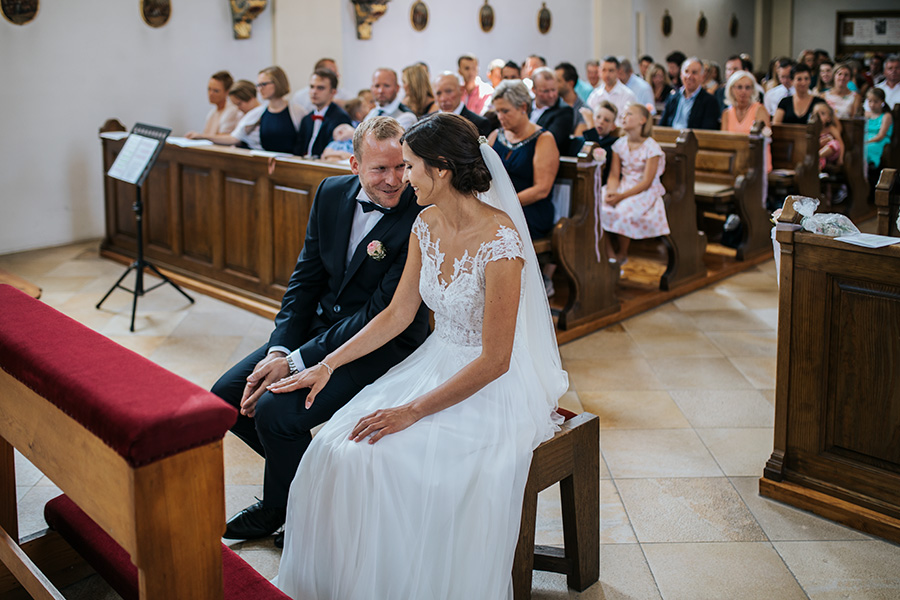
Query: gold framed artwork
point(486, 17)
point(667, 24)
point(19, 12)
point(418, 15)
point(545, 19)
point(156, 13)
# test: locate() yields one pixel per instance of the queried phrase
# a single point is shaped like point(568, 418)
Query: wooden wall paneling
point(265, 229)
point(197, 221)
point(290, 215)
point(175, 222)
point(215, 204)
point(155, 197)
point(240, 212)
point(125, 196)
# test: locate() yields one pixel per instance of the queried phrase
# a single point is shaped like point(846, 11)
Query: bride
point(414, 489)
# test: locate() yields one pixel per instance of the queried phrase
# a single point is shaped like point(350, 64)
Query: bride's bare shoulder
point(498, 220)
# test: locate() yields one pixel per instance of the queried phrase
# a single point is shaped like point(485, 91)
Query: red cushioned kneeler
point(110, 560)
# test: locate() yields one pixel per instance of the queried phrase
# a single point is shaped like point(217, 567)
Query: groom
point(353, 255)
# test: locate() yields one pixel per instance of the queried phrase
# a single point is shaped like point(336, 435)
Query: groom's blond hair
point(381, 128)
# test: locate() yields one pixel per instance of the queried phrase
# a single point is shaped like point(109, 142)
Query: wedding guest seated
point(742, 96)
point(368, 100)
point(585, 86)
point(797, 108)
point(529, 154)
point(642, 90)
point(879, 127)
point(357, 110)
point(783, 88)
point(549, 111)
point(644, 64)
point(385, 92)
point(602, 130)
point(831, 144)
point(845, 102)
point(691, 107)
point(673, 67)
point(477, 92)
point(449, 89)
point(566, 84)
point(532, 63)
point(279, 121)
point(876, 68)
point(317, 128)
point(712, 76)
point(341, 145)
point(732, 66)
point(246, 132)
point(808, 58)
point(511, 70)
point(891, 83)
point(494, 73)
point(419, 96)
point(223, 116)
point(826, 77)
point(662, 86)
point(633, 206)
point(302, 96)
point(611, 88)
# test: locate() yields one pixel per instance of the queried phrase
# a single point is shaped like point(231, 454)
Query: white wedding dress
point(432, 511)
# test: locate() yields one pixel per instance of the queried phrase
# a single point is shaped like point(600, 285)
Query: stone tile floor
point(685, 397)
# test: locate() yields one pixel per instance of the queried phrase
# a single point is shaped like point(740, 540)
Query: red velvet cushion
point(109, 559)
point(139, 409)
point(565, 414)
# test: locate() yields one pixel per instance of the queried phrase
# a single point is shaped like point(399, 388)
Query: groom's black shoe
point(279, 540)
point(253, 522)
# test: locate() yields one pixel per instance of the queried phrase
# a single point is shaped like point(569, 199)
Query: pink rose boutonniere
point(376, 250)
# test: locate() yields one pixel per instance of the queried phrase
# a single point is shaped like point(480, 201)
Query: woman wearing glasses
point(279, 121)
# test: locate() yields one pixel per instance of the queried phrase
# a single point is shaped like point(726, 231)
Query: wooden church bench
point(136, 450)
point(887, 202)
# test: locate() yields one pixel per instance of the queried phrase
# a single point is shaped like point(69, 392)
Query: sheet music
point(187, 143)
point(133, 158)
point(868, 240)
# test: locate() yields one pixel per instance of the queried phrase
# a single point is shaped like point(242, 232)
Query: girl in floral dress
point(633, 207)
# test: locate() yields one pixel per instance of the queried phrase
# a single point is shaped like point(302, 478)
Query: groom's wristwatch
point(293, 368)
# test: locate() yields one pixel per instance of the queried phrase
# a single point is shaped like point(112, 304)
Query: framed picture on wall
point(418, 15)
point(863, 32)
point(19, 12)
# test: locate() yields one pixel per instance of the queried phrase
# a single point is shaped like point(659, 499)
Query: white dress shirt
point(406, 119)
point(247, 129)
point(774, 96)
point(537, 113)
point(620, 96)
point(363, 223)
point(317, 126)
point(643, 91)
point(891, 95)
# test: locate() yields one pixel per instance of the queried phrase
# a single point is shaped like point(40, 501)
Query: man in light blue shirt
point(642, 90)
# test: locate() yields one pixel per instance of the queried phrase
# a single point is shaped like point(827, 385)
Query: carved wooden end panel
point(197, 220)
point(240, 218)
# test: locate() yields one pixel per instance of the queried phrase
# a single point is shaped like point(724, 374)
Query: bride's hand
point(382, 422)
point(313, 378)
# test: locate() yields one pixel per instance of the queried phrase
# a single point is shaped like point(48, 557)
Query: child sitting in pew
point(831, 145)
point(341, 145)
point(633, 205)
point(602, 130)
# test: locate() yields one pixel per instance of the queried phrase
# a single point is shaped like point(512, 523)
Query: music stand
point(133, 164)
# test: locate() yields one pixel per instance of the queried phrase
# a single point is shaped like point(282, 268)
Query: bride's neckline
point(462, 264)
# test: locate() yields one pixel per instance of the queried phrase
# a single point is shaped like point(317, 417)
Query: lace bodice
point(458, 304)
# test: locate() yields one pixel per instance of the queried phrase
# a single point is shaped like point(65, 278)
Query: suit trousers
point(280, 429)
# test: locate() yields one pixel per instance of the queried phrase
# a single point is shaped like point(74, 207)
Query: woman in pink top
point(741, 93)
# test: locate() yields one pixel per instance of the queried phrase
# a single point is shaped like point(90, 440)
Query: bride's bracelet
point(330, 370)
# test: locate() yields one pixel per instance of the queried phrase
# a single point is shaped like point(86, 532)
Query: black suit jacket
point(558, 120)
point(482, 124)
point(326, 304)
point(705, 113)
point(333, 117)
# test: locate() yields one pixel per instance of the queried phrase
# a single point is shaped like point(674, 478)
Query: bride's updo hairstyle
point(450, 142)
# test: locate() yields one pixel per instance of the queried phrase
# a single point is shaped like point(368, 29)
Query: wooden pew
point(591, 283)
point(729, 178)
point(685, 244)
point(795, 159)
point(836, 450)
point(136, 449)
point(887, 201)
point(852, 172)
point(890, 158)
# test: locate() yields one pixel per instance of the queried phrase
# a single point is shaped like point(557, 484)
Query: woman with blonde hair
point(744, 109)
point(845, 102)
point(658, 78)
point(419, 95)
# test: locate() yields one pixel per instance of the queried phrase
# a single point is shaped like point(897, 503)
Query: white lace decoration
point(458, 304)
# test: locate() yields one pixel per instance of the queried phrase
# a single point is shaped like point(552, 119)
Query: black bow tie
point(368, 206)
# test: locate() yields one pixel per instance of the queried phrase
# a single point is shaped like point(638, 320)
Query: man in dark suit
point(353, 255)
point(691, 107)
point(549, 111)
point(317, 128)
point(448, 91)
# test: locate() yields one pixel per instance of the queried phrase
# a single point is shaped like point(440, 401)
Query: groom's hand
point(269, 370)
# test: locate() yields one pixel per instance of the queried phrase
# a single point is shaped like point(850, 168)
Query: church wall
point(716, 45)
point(453, 29)
point(815, 21)
point(79, 63)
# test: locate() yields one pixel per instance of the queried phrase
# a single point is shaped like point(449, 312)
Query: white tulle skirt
point(430, 512)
